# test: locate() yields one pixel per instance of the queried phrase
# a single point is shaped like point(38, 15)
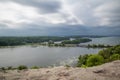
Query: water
point(41, 55)
point(104, 40)
point(44, 56)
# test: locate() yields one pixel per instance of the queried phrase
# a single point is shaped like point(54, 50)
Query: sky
point(59, 17)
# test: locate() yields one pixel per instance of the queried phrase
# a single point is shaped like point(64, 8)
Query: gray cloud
point(2, 26)
point(60, 31)
point(59, 17)
point(97, 12)
point(109, 13)
point(47, 6)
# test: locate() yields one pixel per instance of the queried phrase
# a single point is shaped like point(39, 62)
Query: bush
point(103, 56)
point(67, 65)
point(21, 67)
point(117, 50)
point(34, 67)
point(84, 66)
point(94, 60)
point(115, 57)
point(3, 68)
point(82, 60)
point(105, 53)
point(9, 67)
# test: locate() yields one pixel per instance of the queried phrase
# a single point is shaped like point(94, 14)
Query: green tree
point(94, 60)
point(35, 67)
point(21, 67)
point(82, 60)
point(115, 57)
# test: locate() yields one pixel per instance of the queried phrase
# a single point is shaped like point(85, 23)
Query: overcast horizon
point(59, 17)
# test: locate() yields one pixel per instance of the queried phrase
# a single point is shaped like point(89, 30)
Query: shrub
point(105, 53)
point(21, 67)
point(115, 57)
point(84, 66)
point(3, 68)
point(67, 65)
point(9, 67)
point(56, 45)
point(117, 50)
point(34, 67)
point(82, 60)
point(103, 56)
point(94, 60)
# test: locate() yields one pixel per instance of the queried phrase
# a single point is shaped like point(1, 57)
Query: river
point(44, 56)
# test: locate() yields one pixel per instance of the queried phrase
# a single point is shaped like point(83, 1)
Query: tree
point(82, 60)
point(94, 60)
point(115, 57)
point(21, 67)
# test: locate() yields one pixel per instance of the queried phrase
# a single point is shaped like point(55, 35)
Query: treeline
point(98, 46)
point(76, 41)
point(103, 56)
point(13, 41)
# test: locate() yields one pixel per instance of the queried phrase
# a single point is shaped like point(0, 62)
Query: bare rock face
point(108, 71)
point(99, 71)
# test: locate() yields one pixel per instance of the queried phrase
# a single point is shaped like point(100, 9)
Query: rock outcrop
point(108, 71)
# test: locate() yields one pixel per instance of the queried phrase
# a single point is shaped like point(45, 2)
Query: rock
point(63, 74)
point(107, 71)
point(99, 71)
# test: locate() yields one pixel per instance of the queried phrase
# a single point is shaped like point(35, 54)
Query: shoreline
point(59, 45)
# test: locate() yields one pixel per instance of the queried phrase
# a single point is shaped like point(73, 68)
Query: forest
point(14, 41)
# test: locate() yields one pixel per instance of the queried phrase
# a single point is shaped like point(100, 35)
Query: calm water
point(41, 55)
point(104, 40)
point(46, 56)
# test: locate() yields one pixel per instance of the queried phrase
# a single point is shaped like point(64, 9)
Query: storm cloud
point(62, 16)
point(48, 6)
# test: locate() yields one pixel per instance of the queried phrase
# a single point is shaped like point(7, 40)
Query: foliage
point(13, 41)
point(9, 67)
point(82, 60)
point(84, 66)
point(67, 65)
point(103, 56)
point(21, 67)
point(107, 53)
point(98, 46)
point(34, 67)
point(94, 60)
point(3, 68)
point(76, 41)
point(115, 57)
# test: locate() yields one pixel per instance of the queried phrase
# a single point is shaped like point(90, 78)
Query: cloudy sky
point(59, 17)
